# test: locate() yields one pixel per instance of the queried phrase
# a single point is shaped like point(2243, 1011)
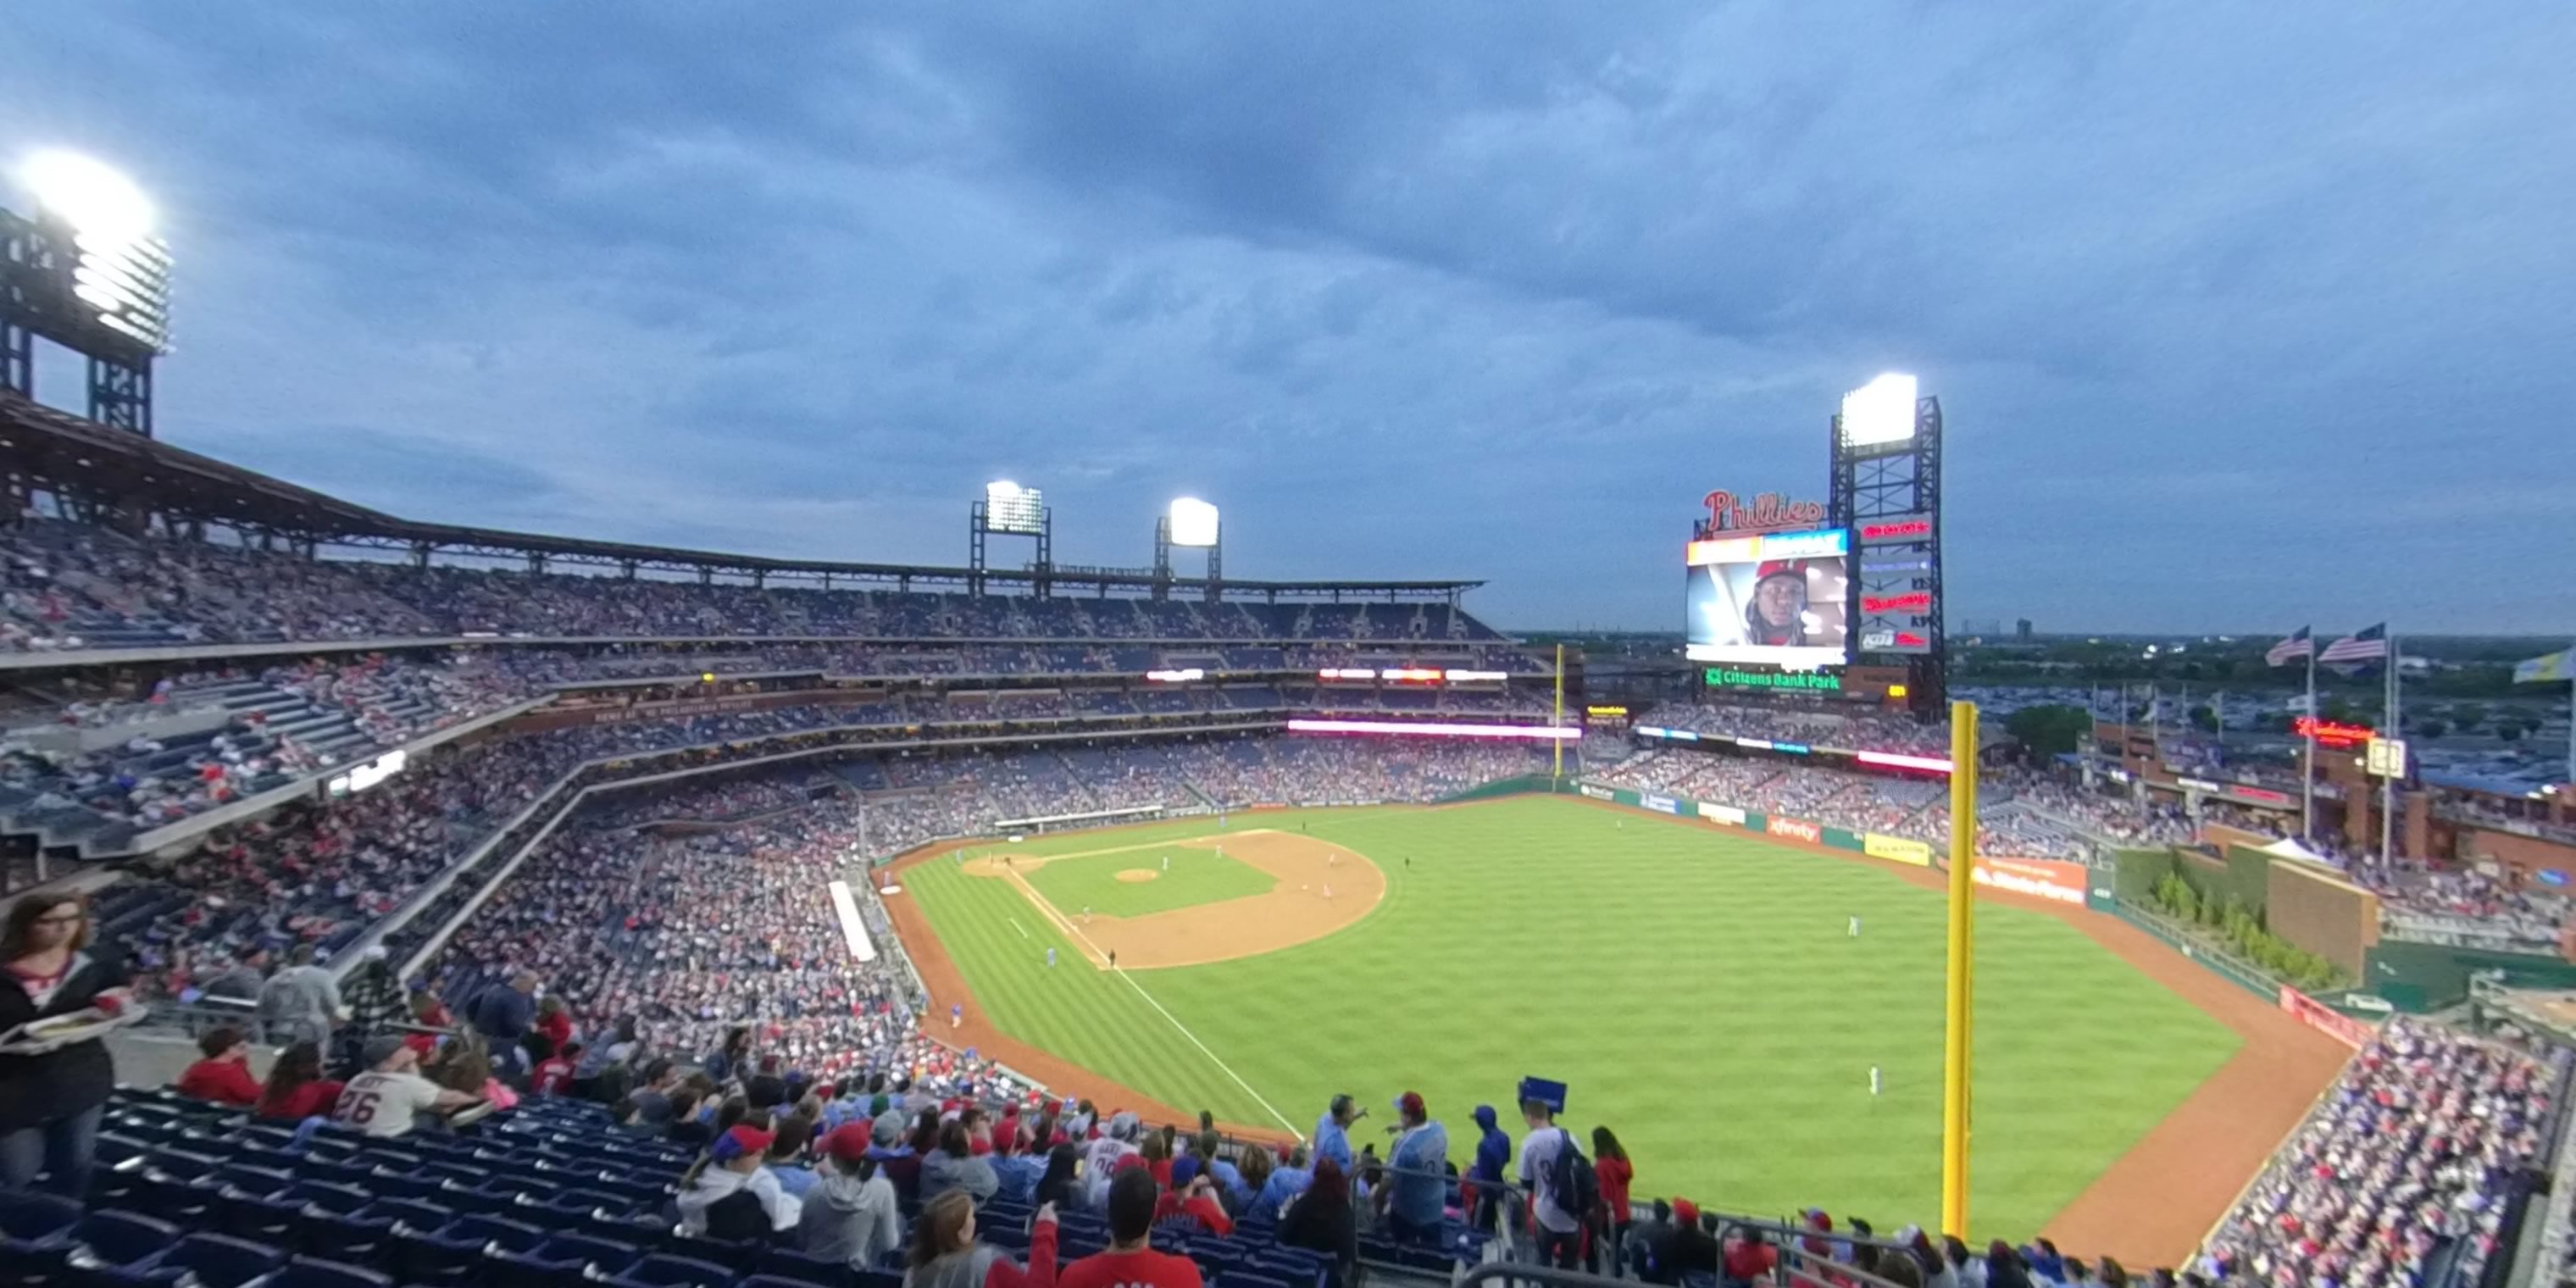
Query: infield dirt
point(1297, 909)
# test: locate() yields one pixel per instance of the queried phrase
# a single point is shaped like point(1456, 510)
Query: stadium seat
point(214, 1260)
point(455, 1253)
point(35, 1237)
point(312, 1272)
point(786, 1263)
point(106, 1240)
point(563, 1261)
point(664, 1271)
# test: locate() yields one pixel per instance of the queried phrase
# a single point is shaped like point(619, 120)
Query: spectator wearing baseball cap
point(1129, 1261)
point(851, 1215)
point(1418, 1181)
point(1333, 1131)
point(1193, 1194)
point(726, 1194)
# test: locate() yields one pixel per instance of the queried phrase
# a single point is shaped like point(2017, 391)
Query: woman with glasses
point(52, 1094)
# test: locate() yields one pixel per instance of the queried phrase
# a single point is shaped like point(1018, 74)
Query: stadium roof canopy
point(120, 472)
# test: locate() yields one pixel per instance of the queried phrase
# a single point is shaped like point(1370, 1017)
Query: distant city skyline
point(1491, 290)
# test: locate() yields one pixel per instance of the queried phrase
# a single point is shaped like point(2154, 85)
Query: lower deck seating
point(548, 1195)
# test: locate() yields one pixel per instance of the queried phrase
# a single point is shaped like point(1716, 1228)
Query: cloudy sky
point(2242, 315)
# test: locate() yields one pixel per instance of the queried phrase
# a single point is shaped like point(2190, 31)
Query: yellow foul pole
point(1963, 939)
point(1558, 744)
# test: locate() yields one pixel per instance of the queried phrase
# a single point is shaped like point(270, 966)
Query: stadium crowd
point(2409, 1157)
point(66, 586)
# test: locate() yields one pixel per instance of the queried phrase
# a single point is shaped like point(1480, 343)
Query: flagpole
point(2308, 757)
point(2388, 781)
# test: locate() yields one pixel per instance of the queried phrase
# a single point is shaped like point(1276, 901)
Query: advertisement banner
point(1661, 804)
point(1597, 793)
point(2325, 1019)
point(2064, 883)
point(1717, 813)
point(1898, 849)
point(1796, 829)
point(1844, 839)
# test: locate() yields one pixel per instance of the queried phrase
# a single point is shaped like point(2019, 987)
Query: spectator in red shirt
point(1610, 1167)
point(1129, 1262)
point(224, 1075)
point(946, 1255)
point(1749, 1259)
point(1193, 1195)
point(554, 1073)
point(554, 1021)
point(296, 1089)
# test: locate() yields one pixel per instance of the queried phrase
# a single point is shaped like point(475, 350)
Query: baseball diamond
point(2125, 1102)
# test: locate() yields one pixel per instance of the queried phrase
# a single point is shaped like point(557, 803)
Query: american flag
point(2300, 644)
point(2369, 644)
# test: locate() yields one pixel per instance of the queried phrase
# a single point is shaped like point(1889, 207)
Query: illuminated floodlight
point(1193, 522)
point(1879, 412)
point(89, 195)
point(1008, 507)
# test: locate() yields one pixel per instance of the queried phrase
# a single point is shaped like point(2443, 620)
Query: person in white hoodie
point(851, 1215)
point(727, 1195)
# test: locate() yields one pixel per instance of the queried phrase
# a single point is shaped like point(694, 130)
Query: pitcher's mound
point(1138, 874)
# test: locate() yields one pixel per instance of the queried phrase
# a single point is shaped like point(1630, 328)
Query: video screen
point(1776, 597)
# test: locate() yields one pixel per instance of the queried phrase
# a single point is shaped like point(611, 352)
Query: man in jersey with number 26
point(384, 1100)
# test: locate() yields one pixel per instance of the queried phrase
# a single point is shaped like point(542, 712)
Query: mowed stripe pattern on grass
point(1697, 990)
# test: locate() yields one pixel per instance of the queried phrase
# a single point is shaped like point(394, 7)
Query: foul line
point(1065, 924)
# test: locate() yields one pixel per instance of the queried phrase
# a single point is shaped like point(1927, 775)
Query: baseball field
point(1701, 991)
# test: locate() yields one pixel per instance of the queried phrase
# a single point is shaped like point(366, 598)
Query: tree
point(2470, 715)
point(2509, 730)
point(2204, 719)
point(2050, 729)
point(2430, 729)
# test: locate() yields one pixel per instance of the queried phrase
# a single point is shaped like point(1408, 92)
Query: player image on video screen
point(1788, 611)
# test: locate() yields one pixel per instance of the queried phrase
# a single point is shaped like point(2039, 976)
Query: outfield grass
point(1195, 877)
point(1696, 989)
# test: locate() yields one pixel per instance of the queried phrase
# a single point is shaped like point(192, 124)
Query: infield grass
point(1196, 876)
point(1697, 990)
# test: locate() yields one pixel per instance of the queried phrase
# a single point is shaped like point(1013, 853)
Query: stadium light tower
point(86, 272)
point(1189, 523)
point(1009, 510)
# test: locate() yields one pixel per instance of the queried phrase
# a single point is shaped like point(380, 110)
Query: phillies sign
point(1765, 512)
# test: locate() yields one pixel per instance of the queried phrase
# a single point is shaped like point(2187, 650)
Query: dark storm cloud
point(2241, 316)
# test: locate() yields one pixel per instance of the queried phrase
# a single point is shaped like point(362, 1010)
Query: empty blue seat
point(454, 1253)
point(410, 1214)
point(171, 1198)
point(216, 1260)
point(118, 1238)
point(313, 1272)
point(355, 1236)
point(563, 1261)
point(35, 1237)
point(664, 1271)
point(786, 1263)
